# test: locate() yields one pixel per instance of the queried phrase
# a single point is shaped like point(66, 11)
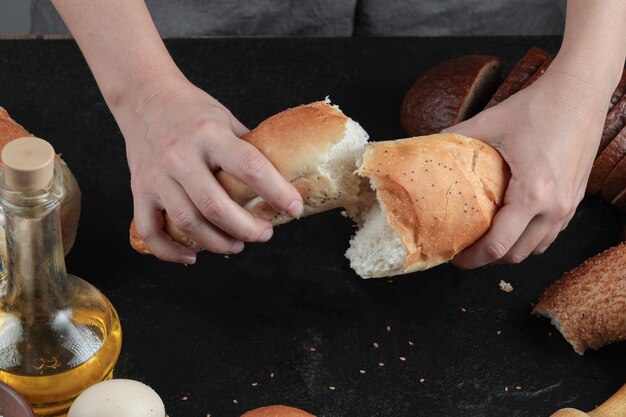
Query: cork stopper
point(28, 164)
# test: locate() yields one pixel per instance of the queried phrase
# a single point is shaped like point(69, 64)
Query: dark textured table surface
point(201, 336)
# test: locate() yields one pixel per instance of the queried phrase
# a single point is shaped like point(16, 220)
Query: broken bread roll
point(70, 206)
point(588, 304)
point(430, 198)
point(314, 146)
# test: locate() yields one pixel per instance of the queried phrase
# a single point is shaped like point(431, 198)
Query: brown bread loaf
point(519, 75)
point(450, 92)
point(615, 181)
point(606, 162)
point(615, 121)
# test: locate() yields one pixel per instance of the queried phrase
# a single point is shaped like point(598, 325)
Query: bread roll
point(314, 146)
point(70, 206)
point(432, 197)
point(450, 92)
point(277, 411)
point(588, 304)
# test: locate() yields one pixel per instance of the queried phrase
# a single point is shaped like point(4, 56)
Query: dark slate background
point(207, 332)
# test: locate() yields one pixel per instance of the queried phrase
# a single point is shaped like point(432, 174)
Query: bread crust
point(440, 192)
point(615, 122)
point(296, 141)
point(615, 181)
point(277, 411)
point(519, 75)
point(540, 71)
point(588, 304)
point(619, 91)
point(606, 162)
point(70, 206)
point(449, 93)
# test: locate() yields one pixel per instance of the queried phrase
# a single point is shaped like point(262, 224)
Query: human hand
point(548, 133)
point(176, 139)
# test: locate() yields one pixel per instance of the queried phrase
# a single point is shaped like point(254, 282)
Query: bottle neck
point(35, 262)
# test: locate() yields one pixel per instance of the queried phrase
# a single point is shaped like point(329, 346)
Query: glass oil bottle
point(58, 334)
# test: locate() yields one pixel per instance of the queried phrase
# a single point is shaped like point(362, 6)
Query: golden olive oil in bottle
point(58, 334)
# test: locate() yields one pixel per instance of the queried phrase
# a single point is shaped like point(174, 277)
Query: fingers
point(149, 223)
point(216, 206)
point(188, 219)
point(549, 239)
point(508, 225)
point(528, 242)
point(245, 162)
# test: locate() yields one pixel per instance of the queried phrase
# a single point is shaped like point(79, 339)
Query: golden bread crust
point(277, 411)
point(440, 192)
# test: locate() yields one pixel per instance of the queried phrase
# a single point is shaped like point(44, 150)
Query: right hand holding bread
point(548, 133)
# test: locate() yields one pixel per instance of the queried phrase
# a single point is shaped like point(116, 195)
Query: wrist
point(135, 89)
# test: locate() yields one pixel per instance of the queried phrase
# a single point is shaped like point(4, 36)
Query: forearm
point(594, 46)
point(121, 46)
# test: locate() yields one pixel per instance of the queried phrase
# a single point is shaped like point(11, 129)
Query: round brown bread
point(300, 143)
point(449, 93)
point(439, 193)
point(606, 162)
point(588, 304)
point(70, 206)
point(519, 75)
point(277, 411)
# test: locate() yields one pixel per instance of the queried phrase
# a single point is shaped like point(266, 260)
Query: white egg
point(118, 398)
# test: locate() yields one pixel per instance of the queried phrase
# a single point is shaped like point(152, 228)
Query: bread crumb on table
point(422, 380)
point(362, 371)
point(381, 364)
point(388, 328)
point(375, 344)
point(463, 310)
point(411, 343)
point(402, 358)
point(235, 402)
point(332, 388)
point(505, 286)
point(184, 398)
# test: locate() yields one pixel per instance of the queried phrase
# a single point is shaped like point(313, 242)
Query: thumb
point(482, 126)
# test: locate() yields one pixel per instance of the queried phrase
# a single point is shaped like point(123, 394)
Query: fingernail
point(295, 208)
point(188, 259)
point(237, 247)
point(266, 235)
